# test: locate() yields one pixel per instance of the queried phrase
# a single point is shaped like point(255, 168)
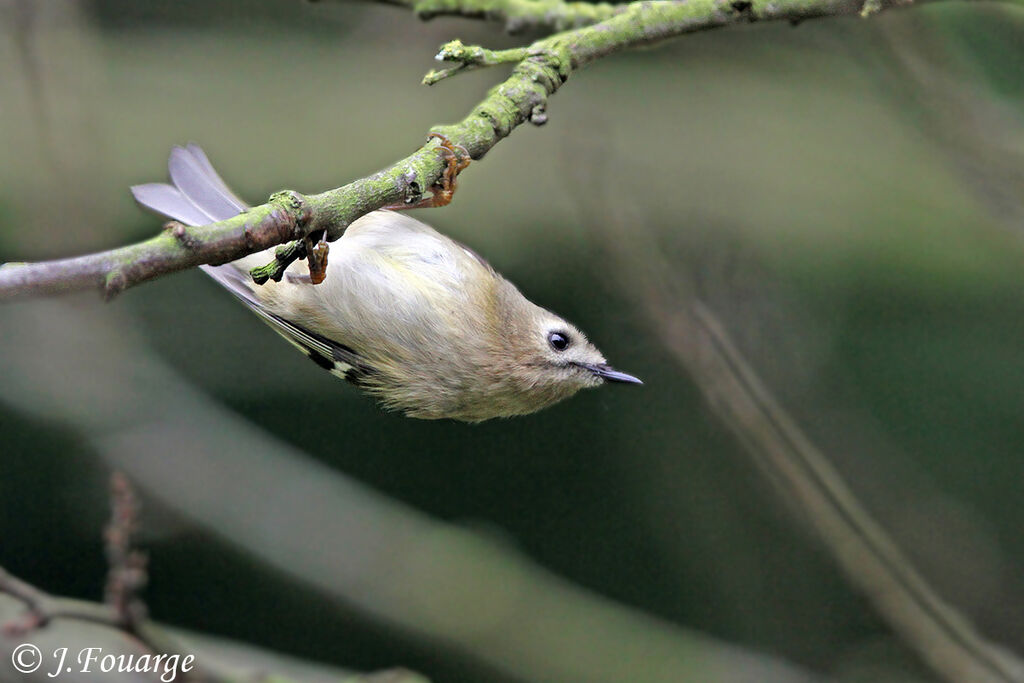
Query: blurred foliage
point(846, 195)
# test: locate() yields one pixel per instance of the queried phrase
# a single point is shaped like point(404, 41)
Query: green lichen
point(870, 7)
point(284, 256)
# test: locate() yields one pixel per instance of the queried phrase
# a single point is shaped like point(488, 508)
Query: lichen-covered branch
point(540, 70)
point(468, 57)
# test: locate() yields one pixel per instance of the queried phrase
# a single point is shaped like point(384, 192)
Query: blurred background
point(844, 200)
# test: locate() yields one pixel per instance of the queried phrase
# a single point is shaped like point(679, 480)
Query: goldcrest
point(406, 314)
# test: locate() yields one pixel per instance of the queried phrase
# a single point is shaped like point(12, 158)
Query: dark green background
point(845, 195)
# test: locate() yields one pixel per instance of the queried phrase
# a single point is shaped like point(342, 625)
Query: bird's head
point(564, 354)
point(551, 359)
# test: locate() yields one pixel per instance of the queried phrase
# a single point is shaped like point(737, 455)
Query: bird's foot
point(316, 257)
point(457, 158)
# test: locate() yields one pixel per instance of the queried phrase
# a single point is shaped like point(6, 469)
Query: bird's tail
point(198, 196)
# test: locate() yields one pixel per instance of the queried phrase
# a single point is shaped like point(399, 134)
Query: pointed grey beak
point(610, 374)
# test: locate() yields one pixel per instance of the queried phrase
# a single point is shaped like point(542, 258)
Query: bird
point(412, 317)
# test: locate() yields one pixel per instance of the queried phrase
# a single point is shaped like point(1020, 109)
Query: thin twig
point(284, 256)
point(469, 57)
point(126, 574)
point(122, 610)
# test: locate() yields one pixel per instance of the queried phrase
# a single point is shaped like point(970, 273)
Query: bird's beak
point(610, 374)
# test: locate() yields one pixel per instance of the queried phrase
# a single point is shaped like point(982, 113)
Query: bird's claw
point(444, 189)
point(316, 257)
point(457, 158)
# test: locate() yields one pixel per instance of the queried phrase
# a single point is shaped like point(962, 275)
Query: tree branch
point(517, 15)
point(216, 660)
point(541, 69)
point(124, 612)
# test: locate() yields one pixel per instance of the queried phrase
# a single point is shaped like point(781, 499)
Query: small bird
point(410, 316)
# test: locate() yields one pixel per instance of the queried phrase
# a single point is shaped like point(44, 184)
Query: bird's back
point(398, 297)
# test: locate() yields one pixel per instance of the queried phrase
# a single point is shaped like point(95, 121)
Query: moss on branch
point(471, 56)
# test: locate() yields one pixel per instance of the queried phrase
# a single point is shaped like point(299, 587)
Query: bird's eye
point(558, 340)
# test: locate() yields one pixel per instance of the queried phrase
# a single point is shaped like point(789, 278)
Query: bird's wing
point(199, 196)
point(332, 356)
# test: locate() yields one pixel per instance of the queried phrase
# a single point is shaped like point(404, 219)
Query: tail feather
point(169, 201)
point(197, 197)
point(193, 175)
point(201, 159)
